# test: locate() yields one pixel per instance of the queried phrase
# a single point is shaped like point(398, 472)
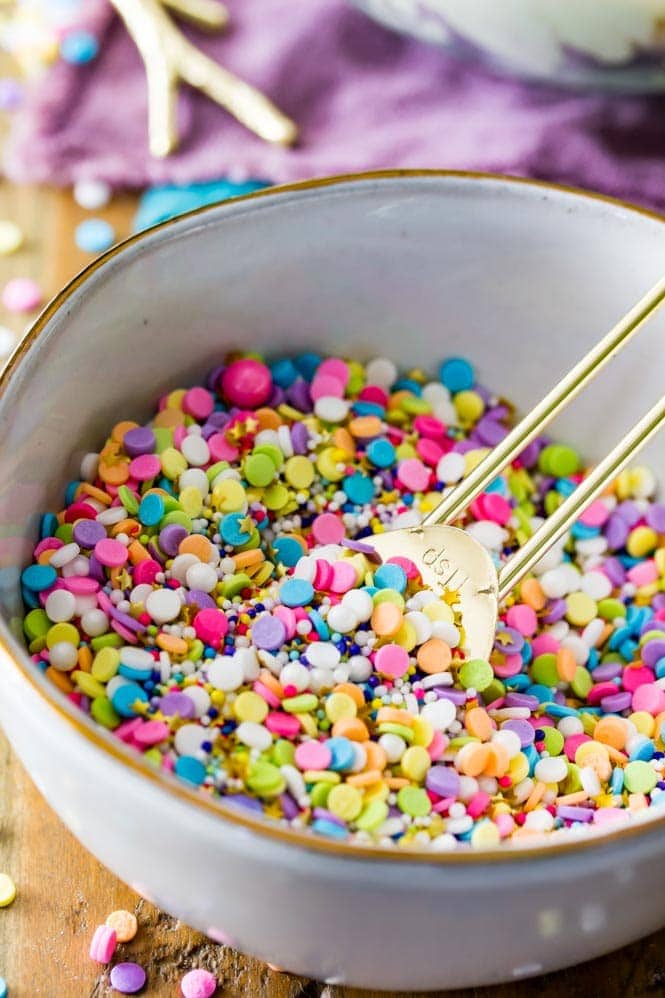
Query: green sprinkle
point(265, 779)
point(414, 801)
point(639, 777)
point(102, 710)
point(302, 704)
point(476, 674)
point(372, 815)
point(544, 670)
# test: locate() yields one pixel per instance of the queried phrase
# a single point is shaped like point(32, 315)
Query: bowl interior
point(520, 278)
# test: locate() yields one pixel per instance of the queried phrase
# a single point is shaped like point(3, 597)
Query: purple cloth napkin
point(364, 98)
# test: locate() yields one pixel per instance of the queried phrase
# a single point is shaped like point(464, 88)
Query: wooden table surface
point(64, 893)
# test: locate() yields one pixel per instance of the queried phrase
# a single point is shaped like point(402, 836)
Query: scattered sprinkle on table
point(11, 237)
point(209, 593)
point(124, 924)
point(7, 890)
point(127, 978)
point(22, 294)
point(198, 984)
point(92, 194)
point(94, 235)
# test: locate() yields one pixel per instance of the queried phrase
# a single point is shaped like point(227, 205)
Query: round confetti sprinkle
point(127, 978)
point(11, 237)
point(7, 890)
point(94, 235)
point(22, 294)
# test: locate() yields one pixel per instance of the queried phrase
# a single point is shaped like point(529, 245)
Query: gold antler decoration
point(170, 59)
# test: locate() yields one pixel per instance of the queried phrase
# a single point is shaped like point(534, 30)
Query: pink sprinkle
point(328, 529)
point(544, 644)
point(210, 625)
point(145, 466)
point(146, 571)
point(152, 733)
point(284, 725)
point(344, 577)
point(437, 746)
point(198, 402)
point(634, 677)
point(47, 544)
point(266, 693)
point(198, 984)
point(323, 575)
point(312, 755)
point(413, 474)
point(650, 698)
point(573, 742)
point(478, 804)
point(430, 451)
point(111, 553)
point(335, 367)
point(523, 618)
point(374, 393)
point(491, 506)
point(428, 426)
point(644, 573)
point(81, 585)
point(595, 515)
point(511, 666)
point(289, 618)
point(103, 944)
point(391, 660)
point(22, 294)
point(325, 386)
point(220, 449)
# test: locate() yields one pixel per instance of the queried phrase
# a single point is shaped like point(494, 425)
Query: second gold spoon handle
point(568, 512)
point(454, 504)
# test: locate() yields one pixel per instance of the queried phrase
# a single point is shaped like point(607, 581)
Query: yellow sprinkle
point(228, 496)
point(345, 802)
point(249, 706)
point(641, 542)
point(415, 762)
point(299, 472)
point(7, 890)
point(62, 632)
point(644, 722)
point(321, 776)
point(191, 501)
point(423, 732)
point(485, 835)
point(469, 406)
point(580, 609)
point(339, 705)
point(173, 463)
point(439, 611)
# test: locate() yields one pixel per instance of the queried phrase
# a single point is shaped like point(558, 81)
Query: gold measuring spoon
point(450, 560)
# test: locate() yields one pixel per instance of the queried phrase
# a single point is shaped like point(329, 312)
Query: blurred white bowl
point(522, 278)
point(605, 44)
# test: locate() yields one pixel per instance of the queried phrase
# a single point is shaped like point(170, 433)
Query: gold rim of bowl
point(122, 753)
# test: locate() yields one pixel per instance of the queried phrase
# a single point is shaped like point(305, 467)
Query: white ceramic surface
point(612, 44)
point(520, 278)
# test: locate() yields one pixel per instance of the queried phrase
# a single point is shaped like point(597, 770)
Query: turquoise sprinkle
point(329, 828)
point(457, 374)
point(231, 531)
point(151, 510)
point(319, 624)
point(558, 710)
point(190, 769)
point(287, 550)
point(38, 577)
point(359, 488)
point(343, 755)
point(296, 592)
point(139, 675)
point(390, 577)
point(381, 453)
point(126, 696)
point(48, 525)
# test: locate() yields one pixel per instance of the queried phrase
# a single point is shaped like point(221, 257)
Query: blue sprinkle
point(381, 453)
point(70, 492)
point(343, 755)
point(368, 409)
point(151, 510)
point(565, 487)
point(48, 525)
point(231, 531)
point(359, 488)
point(158, 204)
point(38, 577)
point(643, 752)
point(543, 693)
point(319, 625)
point(390, 577)
point(558, 710)
point(518, 682)
point(616, 783)
point(284, 372)
point(457, 374)
point(660, 668)
point(139, 675)
point(127, 695)
point(408, 385)
point(30, 599)
point(79, 47)
point(190, 769)
point(287, 550)
point(296, 592)
point(329, 828)
point(94, 235)
point(307, 364)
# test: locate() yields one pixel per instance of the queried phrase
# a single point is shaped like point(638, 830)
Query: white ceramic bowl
point(518, 276)
point(615, 45)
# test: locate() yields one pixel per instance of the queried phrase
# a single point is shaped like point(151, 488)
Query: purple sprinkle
point(171, 537)
point(457, 697)
point(508, 641)
point(607, 671)
point(11, 94)
point(464, 446)
point(127, 978)
point(127, 621)
point(196, 597)
point(212, 382)
point(616, 702)
point(658, 602)
point(268, 632)
point(529, 455)
point(490, 432)
point(157, 555)
point(652, 652)
point(299, 397)
point(614, 571)
point(299, 438)
point(207, 430)
point(629, 512)
point(278, 397)
point(556, 609)
point(218, 418)
point(86, 533)
point(655, 517)
point(443, 781)
point(514, 699)
point(140, 440)
point(289, 806)
point(571, 813)
point(244, 802)
point(96, 570)
point(616, 532)
point(524, 731)
point(177, 703)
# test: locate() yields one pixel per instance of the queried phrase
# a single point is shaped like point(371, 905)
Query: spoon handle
point(569, 510)
point(454, 504)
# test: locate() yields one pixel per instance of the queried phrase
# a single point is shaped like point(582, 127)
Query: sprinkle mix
point(210, 595)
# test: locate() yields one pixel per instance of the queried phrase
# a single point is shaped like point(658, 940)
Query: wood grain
point(64, 893)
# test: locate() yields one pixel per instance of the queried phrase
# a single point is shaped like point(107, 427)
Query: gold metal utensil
point(171, 59)
point(452, 561)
